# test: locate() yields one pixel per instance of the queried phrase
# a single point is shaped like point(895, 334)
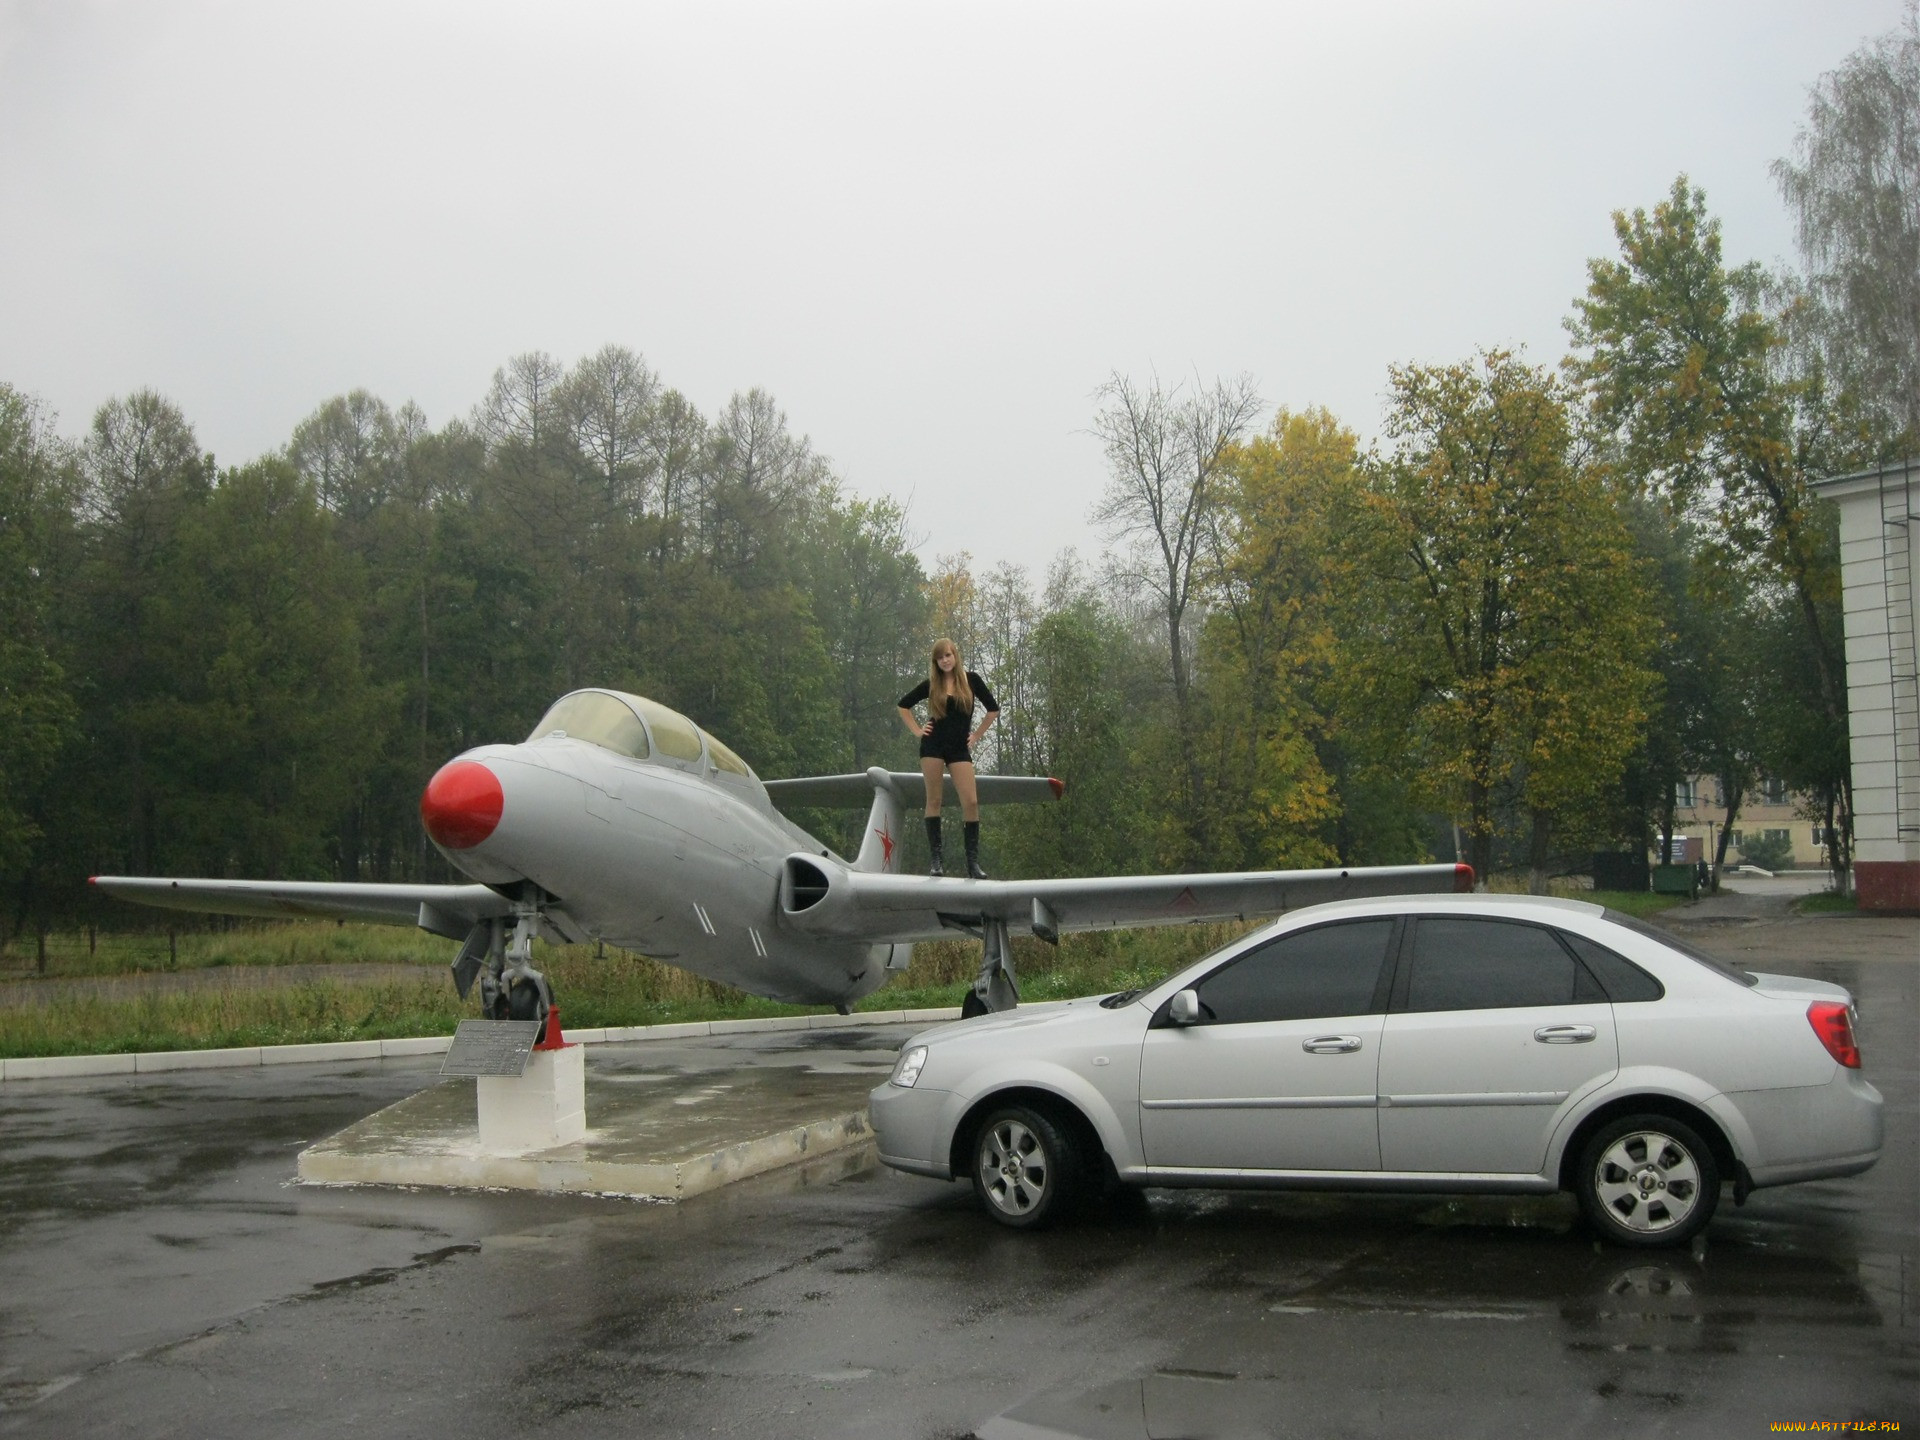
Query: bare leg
point(930, 771)
point(963, 782)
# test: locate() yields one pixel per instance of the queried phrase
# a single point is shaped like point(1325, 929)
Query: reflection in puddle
point(1289, 1349)
point(1164, 1404)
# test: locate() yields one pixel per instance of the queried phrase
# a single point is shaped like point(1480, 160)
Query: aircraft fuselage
point(677, 860)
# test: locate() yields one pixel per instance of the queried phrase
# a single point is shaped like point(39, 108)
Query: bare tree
point(608, 402)
point(1164, 457)
point(521, 404)
point(676, 440)
point(349, 449)
point(1854, 187)
point(760, 473)
point(140, 449)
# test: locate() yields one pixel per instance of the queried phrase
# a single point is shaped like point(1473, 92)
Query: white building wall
point(1879, 557)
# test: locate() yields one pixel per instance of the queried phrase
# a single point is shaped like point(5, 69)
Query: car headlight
point(907, 1069)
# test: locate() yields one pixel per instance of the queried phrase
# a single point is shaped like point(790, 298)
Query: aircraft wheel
point(523, 1001)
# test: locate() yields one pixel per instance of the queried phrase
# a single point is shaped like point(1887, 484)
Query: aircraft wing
point(450, 910)
point(882, 907)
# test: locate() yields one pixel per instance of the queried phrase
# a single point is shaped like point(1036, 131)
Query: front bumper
point(907, 1129)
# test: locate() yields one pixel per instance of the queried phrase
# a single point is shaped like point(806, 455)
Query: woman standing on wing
point(951, 691)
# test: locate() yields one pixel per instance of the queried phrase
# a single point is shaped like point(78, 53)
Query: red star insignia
point(886, 848)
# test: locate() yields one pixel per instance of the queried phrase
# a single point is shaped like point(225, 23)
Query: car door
point(1279, 1072)
point(1493, 1026)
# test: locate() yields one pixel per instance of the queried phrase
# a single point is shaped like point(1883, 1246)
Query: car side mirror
point(1184, 1008)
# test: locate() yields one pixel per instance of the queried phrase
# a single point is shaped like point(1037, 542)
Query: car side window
point(1624, 981)
point(1492, 965)
point(1328, 970)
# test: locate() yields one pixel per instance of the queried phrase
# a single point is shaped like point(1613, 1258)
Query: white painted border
point(153, 1062)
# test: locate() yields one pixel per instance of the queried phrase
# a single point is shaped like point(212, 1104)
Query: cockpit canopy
point(633, 726)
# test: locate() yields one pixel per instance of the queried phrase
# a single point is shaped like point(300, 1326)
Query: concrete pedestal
point(666, 1132)
point(545, 1107)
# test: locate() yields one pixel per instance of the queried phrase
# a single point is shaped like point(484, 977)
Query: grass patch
point(1569, 887)
point(1826, 903)
point(73, 955)
point(615, 988)
point(1634, 902)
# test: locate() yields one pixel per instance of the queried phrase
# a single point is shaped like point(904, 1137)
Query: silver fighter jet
point(621, 820)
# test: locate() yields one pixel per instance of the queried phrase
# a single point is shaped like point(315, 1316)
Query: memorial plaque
point(491, 1047)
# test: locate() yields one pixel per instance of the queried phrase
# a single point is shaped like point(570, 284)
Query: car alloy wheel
point(1024, 1167)
point(1648, 1180)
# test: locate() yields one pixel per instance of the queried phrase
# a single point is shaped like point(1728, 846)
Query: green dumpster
point(1676, 880)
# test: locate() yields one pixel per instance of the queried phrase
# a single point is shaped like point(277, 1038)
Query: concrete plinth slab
point(665, 1134)
point(538, 1110)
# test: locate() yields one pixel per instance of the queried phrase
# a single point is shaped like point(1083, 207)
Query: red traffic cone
point(551, 1038)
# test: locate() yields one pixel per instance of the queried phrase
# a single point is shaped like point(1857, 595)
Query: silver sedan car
point(1444, 1043)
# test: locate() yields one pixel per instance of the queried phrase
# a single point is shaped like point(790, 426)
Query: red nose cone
point(462, 804)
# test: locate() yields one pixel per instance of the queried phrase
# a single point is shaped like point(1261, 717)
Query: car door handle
point(1564, 1034)
point(1331, 1044)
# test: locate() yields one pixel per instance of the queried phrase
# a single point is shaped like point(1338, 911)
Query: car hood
point(1023, 1017)
point(1792, 987)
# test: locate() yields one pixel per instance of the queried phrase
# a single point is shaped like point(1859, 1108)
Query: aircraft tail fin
point(886, 825)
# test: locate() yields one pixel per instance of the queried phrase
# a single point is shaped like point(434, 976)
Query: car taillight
point(1833, 1023)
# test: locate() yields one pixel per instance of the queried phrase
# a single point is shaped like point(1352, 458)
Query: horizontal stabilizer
point(853, 791)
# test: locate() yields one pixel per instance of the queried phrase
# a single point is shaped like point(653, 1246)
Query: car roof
point(1478, 902)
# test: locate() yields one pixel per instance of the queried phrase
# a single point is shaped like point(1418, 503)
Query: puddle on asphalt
point(1275, 1354)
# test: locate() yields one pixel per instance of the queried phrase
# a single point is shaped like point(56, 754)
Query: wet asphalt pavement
point(160, 1275)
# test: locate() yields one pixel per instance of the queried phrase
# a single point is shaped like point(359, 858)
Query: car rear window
point(1623, 980)
point(1692, 952)
point(1487, 964)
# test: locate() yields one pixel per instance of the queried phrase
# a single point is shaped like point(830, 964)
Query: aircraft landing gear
point(995, 988)
point(510, 988)
point(520, 992)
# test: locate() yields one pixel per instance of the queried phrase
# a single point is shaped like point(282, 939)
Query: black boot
point(971, 829)
point(938, 867)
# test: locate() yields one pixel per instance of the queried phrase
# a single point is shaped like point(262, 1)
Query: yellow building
point(1768, 808)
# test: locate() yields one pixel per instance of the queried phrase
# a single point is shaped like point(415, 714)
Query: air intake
point(807, 884)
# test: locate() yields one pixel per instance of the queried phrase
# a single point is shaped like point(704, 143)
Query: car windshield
point(1692, 952)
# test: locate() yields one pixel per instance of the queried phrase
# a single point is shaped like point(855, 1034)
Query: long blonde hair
point(939, 688)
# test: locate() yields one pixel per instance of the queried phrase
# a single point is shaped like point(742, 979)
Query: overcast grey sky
point(929, 229)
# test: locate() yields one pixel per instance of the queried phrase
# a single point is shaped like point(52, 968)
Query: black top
point(953, 727)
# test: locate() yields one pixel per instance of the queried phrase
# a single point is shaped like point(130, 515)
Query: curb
point(158, 1062)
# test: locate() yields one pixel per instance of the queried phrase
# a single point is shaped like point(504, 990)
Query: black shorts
point(933, 748)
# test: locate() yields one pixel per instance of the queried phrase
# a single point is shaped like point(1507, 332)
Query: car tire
point(1647, 1181)
point(1026, 1166)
